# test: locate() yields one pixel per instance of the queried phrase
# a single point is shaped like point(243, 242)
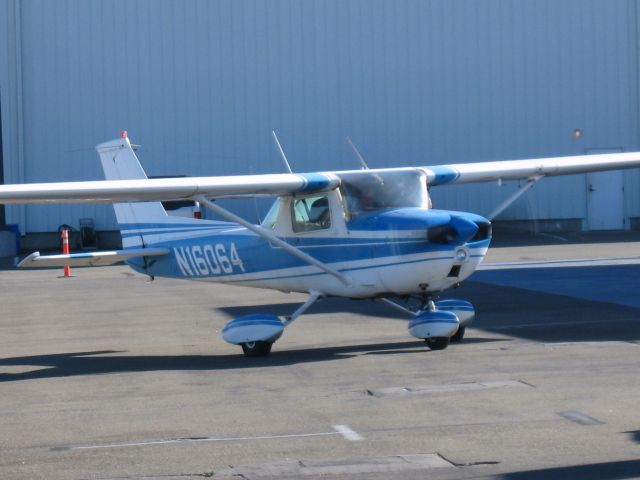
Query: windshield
point(272, 215)
point(370, 191)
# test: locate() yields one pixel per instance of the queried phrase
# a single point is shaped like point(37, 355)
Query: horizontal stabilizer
point(88, 259)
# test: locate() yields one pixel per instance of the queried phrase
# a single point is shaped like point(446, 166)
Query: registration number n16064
point(208, 259)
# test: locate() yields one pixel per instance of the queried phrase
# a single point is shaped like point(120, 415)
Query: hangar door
point(605, 197)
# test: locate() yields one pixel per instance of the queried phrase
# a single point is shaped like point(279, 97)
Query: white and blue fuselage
point(383, 253)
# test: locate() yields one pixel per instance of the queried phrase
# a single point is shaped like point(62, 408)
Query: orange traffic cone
point(65, 250)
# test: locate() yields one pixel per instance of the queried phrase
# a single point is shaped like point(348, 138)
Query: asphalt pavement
point(107, 375)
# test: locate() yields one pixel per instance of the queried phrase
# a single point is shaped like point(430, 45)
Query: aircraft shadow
point(323, 306)
point(420, 346)
point(546, 317)
point(596, 471)
point(111, 361)
point(634, 434)
point(516, 312)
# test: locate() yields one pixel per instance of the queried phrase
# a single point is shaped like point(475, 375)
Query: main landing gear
point(256, 349)
point(257, 333)
point(437, 322)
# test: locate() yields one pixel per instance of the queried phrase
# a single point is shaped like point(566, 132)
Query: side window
point(310, 213)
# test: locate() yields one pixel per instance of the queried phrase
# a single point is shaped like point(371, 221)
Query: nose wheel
point(437, 343)
point(436, 321)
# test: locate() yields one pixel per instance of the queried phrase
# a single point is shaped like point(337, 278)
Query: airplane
point(359, 234)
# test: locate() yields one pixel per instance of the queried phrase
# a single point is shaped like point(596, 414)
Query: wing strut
point(313, 298)
point(397, 306)
point(270, 237)
point(516, 195)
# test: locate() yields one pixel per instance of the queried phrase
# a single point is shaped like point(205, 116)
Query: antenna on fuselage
point(363, 164)
point(284, 157)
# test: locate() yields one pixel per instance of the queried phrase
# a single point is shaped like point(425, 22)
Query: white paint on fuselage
point(400, 275)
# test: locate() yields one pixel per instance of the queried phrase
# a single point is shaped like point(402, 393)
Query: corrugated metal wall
point(200, 85)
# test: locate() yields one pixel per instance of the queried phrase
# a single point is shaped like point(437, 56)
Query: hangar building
point(201, 84)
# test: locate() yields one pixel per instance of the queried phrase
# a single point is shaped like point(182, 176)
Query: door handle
point(591, 189)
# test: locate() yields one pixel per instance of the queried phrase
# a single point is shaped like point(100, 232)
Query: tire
point(459, 334)
point(437, 343)
point(256, 349)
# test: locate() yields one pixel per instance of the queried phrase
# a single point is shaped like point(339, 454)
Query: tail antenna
point(363, 164)
point(284, 157)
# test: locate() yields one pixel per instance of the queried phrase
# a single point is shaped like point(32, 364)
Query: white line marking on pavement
point(202, 440)
point(579, 418)
point(348, 433)
point(578, 262)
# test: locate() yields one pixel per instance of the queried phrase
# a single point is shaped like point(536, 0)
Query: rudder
point(120, 162)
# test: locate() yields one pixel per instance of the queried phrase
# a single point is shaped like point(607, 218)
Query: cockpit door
point(317, 215)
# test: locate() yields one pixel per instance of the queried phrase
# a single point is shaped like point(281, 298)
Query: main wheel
point(459, 334)
point(256, 349)
point(437, 343)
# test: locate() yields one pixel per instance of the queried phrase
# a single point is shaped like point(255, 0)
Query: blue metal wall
point(200, 85)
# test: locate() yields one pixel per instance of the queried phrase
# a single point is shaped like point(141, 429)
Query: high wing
point(115, 191)
point(122, 189)
point(141, 190)
point(537, 167)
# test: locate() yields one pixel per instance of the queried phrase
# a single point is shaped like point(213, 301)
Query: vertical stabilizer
point(120, 162)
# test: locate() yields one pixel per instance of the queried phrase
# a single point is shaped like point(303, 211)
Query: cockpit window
point(310, 213)
point(371, 191)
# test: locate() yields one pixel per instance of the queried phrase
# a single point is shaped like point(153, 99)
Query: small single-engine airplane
point(362, 234)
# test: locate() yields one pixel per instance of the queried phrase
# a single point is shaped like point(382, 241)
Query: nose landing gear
point(437, 322)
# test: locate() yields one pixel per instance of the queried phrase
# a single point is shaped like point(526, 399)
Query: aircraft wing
point(142, 189)
point(128, 183)
point(88, 259)
point(115, 191)
point(518, 169)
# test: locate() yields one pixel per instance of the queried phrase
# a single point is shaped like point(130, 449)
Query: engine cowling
point(253, 328)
